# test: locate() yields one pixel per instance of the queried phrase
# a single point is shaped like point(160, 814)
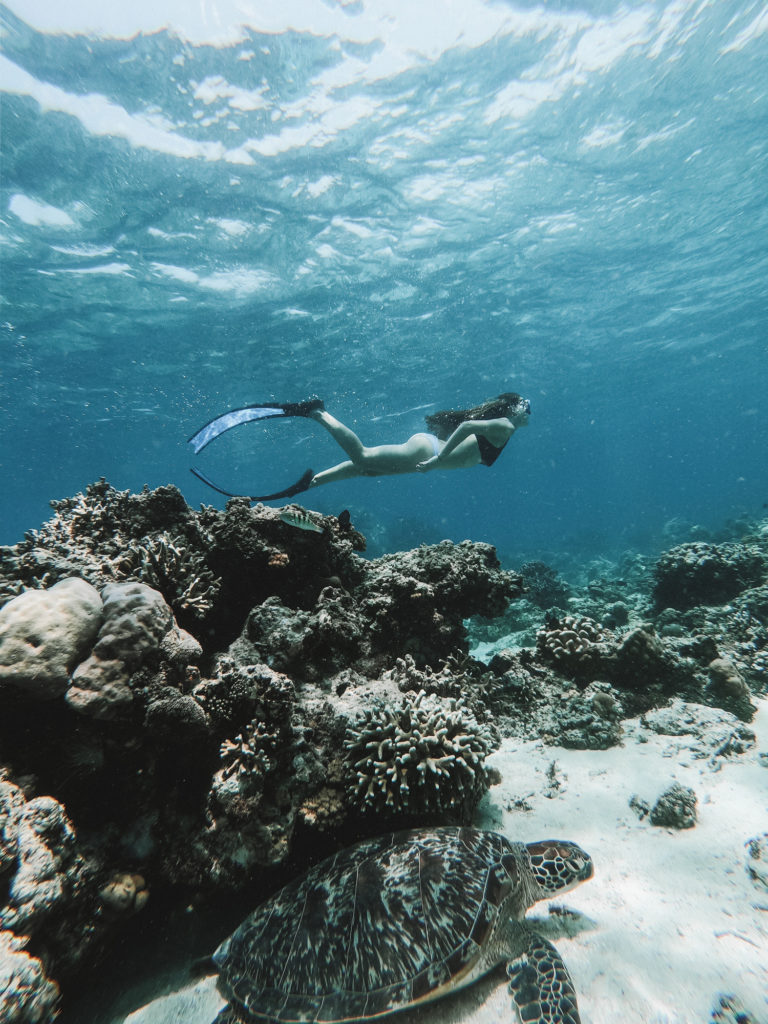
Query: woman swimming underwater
point(458, 439)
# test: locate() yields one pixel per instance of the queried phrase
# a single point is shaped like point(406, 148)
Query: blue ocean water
point(400, 207)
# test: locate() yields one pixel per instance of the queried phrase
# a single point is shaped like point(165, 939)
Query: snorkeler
point(458, 439)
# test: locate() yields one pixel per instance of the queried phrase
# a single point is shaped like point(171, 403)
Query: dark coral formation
point(27, 995)
point(700, 573)
point(675, 808)
point(543, 586)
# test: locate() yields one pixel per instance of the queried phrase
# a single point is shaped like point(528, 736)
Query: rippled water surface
point(399, 207)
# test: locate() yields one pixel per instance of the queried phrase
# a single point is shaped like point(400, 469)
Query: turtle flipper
point(541, 986)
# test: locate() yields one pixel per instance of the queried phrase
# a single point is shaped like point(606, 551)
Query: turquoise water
point(398, 210)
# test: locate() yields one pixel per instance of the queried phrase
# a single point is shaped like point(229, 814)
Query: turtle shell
point(380, 926)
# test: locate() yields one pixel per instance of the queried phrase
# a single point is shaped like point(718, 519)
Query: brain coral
point(44, 633)
point(427, 754)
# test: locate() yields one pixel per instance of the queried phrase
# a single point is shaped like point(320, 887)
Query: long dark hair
point(443, 423)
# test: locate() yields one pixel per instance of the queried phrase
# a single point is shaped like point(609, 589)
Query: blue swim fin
point(230, 419)
point(297, 488)
point(248, 413)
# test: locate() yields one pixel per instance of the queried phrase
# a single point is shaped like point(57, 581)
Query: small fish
point(301, 521)
point(345, 519)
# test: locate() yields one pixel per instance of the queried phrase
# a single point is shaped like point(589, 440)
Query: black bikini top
point(488, 452)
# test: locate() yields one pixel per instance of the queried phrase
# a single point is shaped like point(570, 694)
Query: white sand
point(670, 920)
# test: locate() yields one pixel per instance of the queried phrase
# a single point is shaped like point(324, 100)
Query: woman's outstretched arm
point(497, 431)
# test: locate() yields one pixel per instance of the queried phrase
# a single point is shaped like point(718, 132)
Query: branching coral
point(252, 753)
point(457, 675)
point(168, 563)
point(571, 643)
point(425, 755)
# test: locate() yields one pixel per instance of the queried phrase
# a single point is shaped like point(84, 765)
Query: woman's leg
point(344, 471)
point(380, 460)
point(346, 439)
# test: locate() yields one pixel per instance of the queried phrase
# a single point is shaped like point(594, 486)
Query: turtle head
point(558, 866)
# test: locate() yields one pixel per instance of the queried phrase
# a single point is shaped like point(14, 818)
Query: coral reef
point(39, 856)
point(49, 888)
point(266, 771)
point(417, 600)
point(588, 720)
point(700, 573)
point(167, 563)
point(207, 695)
point(424, 756)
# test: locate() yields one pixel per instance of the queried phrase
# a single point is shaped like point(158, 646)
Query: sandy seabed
point(672, 919)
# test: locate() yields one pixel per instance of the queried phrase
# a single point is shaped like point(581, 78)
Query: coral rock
point(136, 620)
point(44, 633)
point(175, 717)
point(543, 586)
point(572, 644)
point(124, 894)
point(27, 996)
point(100, 689)
point(675, 808)
point(726, 678)
point(42, 860)
point(701, 574)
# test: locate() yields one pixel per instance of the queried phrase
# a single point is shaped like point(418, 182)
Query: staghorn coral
point(252, 753)
point(167, 563)
point(459, 674)
point(572, 644)
point(427, 755)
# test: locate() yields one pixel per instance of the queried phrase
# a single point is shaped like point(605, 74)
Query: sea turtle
point(396, 921)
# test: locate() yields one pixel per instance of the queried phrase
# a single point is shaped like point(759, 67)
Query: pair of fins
point(246, 414)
